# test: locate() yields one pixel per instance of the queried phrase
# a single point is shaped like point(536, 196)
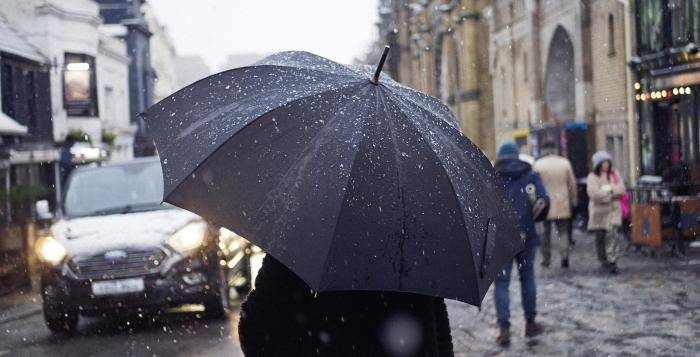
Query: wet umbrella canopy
point(354, 184)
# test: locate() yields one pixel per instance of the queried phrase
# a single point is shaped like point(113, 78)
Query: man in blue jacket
point(524, 187)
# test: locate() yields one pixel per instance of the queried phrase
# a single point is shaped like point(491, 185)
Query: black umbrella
point(354, 184)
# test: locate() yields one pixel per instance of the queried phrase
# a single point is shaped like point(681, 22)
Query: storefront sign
point(683, 79)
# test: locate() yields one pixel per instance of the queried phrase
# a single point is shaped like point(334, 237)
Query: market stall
point(661, 218)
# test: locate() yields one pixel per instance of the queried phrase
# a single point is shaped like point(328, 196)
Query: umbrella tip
point(375, 78)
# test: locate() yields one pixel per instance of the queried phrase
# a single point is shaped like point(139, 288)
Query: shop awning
point(677, 80)
point(9, 126)
point(33, 156)
point(15, 44)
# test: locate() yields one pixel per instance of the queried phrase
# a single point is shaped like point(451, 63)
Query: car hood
point(96, 234)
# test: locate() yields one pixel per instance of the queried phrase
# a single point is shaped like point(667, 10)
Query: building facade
point(27, 157)
point(440, 47)
point(87, 82)
point(667, 66)
point(162, 54)
point(129, 14)
point(560, 74)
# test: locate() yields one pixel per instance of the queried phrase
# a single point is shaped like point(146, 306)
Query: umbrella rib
point(313, 139)
point(342, 201)
point(409, 120)
point(453, 123)
point(223, 143)
point(399, 185)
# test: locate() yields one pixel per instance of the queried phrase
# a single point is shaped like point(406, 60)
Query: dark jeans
point(528, 291)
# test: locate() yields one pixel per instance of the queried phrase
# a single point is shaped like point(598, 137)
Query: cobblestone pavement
point(651, 308)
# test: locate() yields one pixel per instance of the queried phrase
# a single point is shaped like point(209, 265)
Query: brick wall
point(608, 58)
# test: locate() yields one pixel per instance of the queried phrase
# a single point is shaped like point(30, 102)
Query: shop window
point(650, 26)
point(695, 18)
point(30, 98)
point(688, 137)
point(79, 85)
point(7, 89)
point(647, 138)
point(681, 15)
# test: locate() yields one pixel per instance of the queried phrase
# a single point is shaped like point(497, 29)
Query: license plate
point(114, 287)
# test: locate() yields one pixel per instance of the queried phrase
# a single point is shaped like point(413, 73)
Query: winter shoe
point(503, 338)
point(614, 270)
point(565, 263)
point(533, 329)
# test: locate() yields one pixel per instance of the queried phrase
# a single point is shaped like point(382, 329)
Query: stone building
point(87, 71)
point(560, 73)
point(440, 47)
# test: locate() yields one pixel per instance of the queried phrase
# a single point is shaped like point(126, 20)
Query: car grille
point(100, 266)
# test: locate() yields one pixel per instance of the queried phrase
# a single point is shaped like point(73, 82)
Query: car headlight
point(188, 238)
point(50, 250)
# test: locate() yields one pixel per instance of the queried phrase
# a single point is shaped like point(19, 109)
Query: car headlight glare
point(50, 250)
point(188, 238)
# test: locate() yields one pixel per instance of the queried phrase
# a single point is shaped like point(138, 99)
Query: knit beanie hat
point(508, 150)
point(599, 157)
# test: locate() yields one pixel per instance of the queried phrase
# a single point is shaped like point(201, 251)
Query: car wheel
point(216, 304)
point(59, 319)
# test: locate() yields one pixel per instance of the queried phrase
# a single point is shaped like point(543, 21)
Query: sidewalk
point(19, 305)
point(648, 309)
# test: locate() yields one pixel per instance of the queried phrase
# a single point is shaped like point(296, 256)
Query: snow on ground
point(651, 308)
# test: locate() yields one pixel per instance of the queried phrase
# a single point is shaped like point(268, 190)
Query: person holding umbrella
point(371, 204)
point(526, 193)
point(283, 316)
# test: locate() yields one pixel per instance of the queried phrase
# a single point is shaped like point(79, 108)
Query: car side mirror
point(43, 212)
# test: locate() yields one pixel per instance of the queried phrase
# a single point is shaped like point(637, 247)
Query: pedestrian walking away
point(605, 189)
point(560, 183)
point(517, 176)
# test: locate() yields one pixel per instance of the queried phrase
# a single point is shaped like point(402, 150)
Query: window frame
point(76, 107)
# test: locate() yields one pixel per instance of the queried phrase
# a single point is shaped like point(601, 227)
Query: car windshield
point(115, 189)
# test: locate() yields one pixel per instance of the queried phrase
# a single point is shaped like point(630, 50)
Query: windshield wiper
point(126, 209)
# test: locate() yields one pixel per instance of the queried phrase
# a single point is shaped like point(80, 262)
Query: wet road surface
point(177, 334)
point(651, 308)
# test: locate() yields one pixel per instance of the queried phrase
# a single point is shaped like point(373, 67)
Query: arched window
point(611, 35)
point(559, 84)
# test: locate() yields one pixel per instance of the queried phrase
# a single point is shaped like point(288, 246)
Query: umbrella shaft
point(375, 79)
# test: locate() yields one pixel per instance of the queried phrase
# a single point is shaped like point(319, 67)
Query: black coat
point(283, 317)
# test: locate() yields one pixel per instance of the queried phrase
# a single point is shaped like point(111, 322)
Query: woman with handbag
point(605, 191)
